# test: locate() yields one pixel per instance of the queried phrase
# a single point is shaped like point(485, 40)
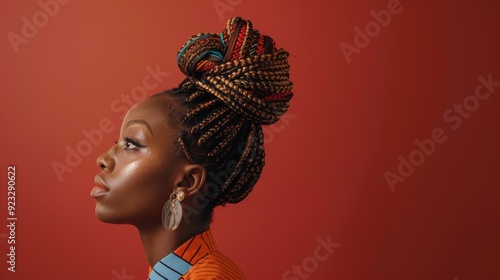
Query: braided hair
point(236, 81)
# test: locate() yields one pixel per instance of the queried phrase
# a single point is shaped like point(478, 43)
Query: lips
point(100, 187)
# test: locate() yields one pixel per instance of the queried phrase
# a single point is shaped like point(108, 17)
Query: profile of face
point(141, 170)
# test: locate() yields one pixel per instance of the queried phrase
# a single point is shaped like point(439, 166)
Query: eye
point(131, 144)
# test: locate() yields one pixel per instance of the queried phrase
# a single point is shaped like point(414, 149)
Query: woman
point(186, 150)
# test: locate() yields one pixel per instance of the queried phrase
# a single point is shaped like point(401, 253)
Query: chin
point(113, 216)
point(106, 216)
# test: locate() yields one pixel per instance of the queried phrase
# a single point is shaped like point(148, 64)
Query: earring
point(171, 214)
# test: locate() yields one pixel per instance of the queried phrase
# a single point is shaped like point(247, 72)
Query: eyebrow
point(143, 122)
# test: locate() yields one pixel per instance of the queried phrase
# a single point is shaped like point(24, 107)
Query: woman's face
point(140, 171)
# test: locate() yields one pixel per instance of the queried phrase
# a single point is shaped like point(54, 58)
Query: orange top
point(197, 258)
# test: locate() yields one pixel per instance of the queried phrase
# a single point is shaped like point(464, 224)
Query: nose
point(106, 161)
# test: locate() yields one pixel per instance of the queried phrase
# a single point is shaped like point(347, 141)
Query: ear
point(193, 178)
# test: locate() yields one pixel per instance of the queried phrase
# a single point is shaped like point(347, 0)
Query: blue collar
point(171, 267)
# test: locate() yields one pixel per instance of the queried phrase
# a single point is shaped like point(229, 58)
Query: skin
point(140, 172)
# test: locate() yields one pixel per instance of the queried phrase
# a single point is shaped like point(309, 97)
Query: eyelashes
point(130, 143)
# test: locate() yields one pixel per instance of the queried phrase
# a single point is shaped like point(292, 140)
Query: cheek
point(139, 194)
point(142, 179)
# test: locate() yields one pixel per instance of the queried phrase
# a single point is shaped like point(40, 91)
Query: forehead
point(151, 111)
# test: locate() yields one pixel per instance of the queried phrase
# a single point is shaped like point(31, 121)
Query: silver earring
point(171, 214)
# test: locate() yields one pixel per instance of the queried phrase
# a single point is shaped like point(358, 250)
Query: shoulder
point(215, 266)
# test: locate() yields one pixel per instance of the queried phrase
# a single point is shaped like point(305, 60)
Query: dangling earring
point(172, 211)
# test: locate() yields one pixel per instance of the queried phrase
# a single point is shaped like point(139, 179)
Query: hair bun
point(242, 68)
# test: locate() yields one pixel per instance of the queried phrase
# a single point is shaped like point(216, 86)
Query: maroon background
point(347, 125)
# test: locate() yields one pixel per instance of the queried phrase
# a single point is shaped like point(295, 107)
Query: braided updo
point(235, 82)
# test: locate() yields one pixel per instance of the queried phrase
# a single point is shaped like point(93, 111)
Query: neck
point(159, 242)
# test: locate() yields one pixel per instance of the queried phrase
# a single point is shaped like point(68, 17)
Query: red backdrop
point(385, 167)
